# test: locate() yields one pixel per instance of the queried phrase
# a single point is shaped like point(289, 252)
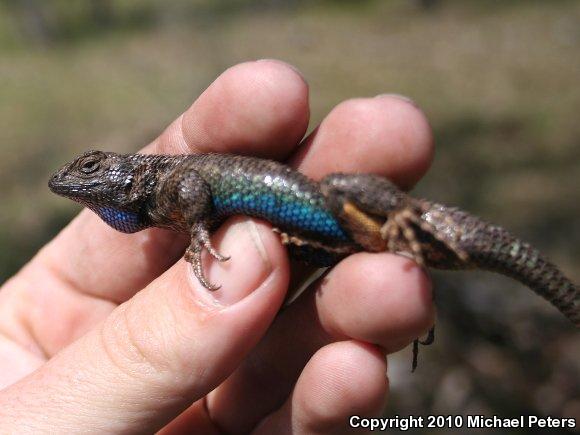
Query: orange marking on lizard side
point(362, 219)
point(365, 229)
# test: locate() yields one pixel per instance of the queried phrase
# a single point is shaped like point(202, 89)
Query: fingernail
point(246, 269)
point(281, 62)
point(399, 96)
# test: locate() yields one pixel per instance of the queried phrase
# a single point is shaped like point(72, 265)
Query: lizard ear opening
point(139, 185)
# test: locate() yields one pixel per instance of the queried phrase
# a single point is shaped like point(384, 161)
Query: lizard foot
point(193, 256)
point(199, 240)
point(400, 235)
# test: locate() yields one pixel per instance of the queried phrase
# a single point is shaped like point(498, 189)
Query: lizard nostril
point(54, 180)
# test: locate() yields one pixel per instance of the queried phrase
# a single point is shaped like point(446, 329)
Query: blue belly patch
point(282, 212)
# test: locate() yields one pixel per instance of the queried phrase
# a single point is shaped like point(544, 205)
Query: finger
point(41, 317)
point(385, 135)
point(164, 349)
point(15, 362)
point(384, 299)
point(194, 419)
point(341, 380)
point(89, 258)
point(254, 108)
point(377, 298)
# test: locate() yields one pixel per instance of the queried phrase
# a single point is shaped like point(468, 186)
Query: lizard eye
point(90, 166)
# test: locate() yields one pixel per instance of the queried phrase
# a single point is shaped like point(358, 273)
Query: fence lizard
point(321, 222)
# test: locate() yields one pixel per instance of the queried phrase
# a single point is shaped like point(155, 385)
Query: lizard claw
point(219, 257)
point(426, 342)
point(200, 239)
point(401, 228)
point(193, 256)
point(202, 236)
point(399, 234)
point(430, 339)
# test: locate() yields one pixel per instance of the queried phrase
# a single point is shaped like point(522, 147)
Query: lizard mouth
point(56, 183)
point(59, 184)
point(62, 185)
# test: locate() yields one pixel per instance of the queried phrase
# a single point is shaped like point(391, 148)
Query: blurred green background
point(499, 80)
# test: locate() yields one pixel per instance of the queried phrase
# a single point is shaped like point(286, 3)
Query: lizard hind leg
point(442, 227)
point(409, 224)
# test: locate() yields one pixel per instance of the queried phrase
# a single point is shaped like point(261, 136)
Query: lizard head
point(109, 184)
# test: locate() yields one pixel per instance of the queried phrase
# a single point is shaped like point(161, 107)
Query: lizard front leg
point(191, 206)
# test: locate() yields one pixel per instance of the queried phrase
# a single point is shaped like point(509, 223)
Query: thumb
point(162, 350)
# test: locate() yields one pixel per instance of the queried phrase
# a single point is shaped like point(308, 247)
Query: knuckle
point(137, 348)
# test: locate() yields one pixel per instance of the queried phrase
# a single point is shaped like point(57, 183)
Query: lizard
point(320, 221)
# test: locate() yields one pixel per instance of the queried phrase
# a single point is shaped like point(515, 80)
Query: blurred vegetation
point(498, 79)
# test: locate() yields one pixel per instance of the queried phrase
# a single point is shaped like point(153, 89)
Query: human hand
point(109, 332)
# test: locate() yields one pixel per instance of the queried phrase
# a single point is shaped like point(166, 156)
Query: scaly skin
point(320, 222)
point(445, 237)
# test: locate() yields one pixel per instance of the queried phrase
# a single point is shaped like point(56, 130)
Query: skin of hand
point(109, 332)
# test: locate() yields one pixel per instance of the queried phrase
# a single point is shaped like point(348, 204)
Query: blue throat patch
point(124, 221)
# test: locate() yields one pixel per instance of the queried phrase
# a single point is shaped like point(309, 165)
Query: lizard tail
point(526, 264)
point(506, 254)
